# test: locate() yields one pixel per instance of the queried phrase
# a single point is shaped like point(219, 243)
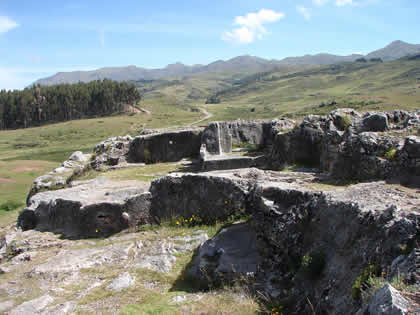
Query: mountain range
point(249, 64)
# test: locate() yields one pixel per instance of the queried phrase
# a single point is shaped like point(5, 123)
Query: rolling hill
point(395, 50)
point(241, 64)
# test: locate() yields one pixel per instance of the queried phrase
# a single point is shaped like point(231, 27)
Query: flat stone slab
point(33, 306)
point(94, 208)
point(227, 161)
point(124, 281)
point(231, 253)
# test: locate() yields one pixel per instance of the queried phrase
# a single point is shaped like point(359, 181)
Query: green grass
point(371, 86)
point(16, 178)
point(41, 149)
point(145, 173)
point(292, 92)
point(57, 141)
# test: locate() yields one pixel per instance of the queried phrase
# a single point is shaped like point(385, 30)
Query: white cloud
point(7, 24)
point(306, 12)
point(251, 26)
point(319, 2)
point(340, 3)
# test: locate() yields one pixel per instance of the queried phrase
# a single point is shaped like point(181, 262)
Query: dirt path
point(207, 116)
point(143, 110)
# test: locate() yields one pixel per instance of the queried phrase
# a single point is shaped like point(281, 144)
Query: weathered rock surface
point(229, 162)
point(161, 257)
point(123, 282)
point(98, 207)
point(374, 122)
point(231, 254)
point(33, 306)
point(348, 145)
point(58, 178)
point(165, 147)
point(340, 231)
point(302, 145)
point(111, 152)
point(386, 301)
point(63, 272)
point(307, 240)
point(218, 137)
point(211, 196)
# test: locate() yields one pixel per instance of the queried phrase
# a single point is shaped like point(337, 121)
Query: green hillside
point(365, 86)
point(286, 91)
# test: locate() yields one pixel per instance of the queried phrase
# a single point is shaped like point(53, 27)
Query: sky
point(41, 38)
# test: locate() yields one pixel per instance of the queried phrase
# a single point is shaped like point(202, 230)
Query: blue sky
point(40, 38)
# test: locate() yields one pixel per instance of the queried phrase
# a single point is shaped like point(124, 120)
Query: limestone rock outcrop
point(386, 301)
point(111, 152)
point(350, 145)
point(212, 197)
point(312, 244)
point(92, 209)
point(305, 240)
point(165, 147)
point(231, 254)
point(60, 176)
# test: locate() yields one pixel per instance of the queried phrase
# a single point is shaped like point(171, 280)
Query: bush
point(391, 154)
point(361, 60)
point(313, 263)
point(10, 205)
point(362, 282)
point(343, 122)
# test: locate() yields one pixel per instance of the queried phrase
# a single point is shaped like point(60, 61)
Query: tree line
point(37, 105)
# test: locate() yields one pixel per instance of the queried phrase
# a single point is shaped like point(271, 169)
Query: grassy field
point(28, 153)
point(364, 86)
point(292, 92)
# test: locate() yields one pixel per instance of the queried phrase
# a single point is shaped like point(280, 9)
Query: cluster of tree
point(371, 60)
point(45, 104)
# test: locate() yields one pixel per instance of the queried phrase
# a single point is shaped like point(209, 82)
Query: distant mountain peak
point(244, 63)
point(395, 50)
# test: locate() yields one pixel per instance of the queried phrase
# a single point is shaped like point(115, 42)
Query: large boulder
point(317, 244)
point(231, 254)
point(209, 196)
point(60, 177)
point(217, 138)
point(302, 145)
point(95, 208)
point(111, 152)
point(386, 301)
point(166, 147)
point(374, 122)
point(412, 147)
point(366, 156)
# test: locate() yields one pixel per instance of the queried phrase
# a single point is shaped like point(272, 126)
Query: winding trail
point(207, 116)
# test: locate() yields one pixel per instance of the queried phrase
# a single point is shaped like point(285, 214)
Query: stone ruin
point(302, 241)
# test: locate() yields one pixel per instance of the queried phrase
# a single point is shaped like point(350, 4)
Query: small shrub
point(10, 205)
point(191, 221)
point(343, 122)
point(313, 263)
point(391, 154)
point(361, 60)
point(362, 282)
point(92, 157)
